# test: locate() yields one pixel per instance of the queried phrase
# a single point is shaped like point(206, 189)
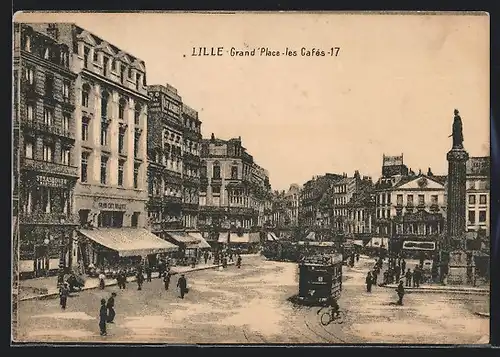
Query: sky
point(391, 89)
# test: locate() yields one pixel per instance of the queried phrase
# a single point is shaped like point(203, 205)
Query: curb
point(442, 290)
point(482, 314)
point(114, 282)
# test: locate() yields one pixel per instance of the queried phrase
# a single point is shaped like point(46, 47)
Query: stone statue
point(458, 137)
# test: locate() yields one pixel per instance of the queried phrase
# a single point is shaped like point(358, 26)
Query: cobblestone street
point(249, 305)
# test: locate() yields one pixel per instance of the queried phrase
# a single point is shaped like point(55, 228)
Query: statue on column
point(457, 133)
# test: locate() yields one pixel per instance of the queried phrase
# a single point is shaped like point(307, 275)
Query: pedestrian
point(417, 275)
point(401, 292)
point(397, 272)
point(103, 316)
point(166, 279)
point(231, 256)
point(110, 305)
point(369, 282)
point(63, 295)
point(357, 257)
point(375, 276)
point(161, 268)
point(140, 279)
point(148, 273)
point(182, 285)
point(403, 264)
point(205, 256)
point(238, 261)
point(408, 277)
point(101, 280)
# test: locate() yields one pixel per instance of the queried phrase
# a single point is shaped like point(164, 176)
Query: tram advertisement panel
point(315, 282)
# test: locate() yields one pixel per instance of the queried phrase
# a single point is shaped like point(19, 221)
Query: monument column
point(456, 206)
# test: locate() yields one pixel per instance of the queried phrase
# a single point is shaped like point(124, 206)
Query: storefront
point(244, 242)
point(116, 248)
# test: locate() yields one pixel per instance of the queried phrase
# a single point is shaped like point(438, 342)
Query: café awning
point(182, 238)
point(271, 237)
point(235, 238)
point(202, 243)
point(378, 242)
point(129, 242)
point(358, 242)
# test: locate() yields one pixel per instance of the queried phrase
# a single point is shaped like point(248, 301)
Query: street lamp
point(62, 258)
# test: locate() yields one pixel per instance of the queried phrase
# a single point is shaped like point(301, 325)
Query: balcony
point(172, 199)
point(46, 128)
point(191, 181)
point(49, 167)
point(41, 218)
point(216, 181)
point(191, 158)
point(190, 206)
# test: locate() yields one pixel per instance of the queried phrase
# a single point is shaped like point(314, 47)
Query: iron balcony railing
point(49, 167)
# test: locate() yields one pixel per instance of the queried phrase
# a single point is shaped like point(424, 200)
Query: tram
point(320, 277)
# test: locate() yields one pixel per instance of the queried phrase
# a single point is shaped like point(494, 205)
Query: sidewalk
point(43, 288)
point(444, 289)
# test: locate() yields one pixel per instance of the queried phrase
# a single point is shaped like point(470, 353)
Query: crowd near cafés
point(113, 172)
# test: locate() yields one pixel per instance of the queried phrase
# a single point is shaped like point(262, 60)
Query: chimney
point(212, 137)
point(429, 172)
point(419, 172)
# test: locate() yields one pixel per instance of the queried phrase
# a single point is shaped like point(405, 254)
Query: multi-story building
point(292, 197)
point(234, 190)
point(165, 151)
point(44, 149)
point(315, 203)
point(361, 209)
point(342, 193)
point(478, 194)
point(409, 206)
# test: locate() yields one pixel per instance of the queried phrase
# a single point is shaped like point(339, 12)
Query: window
point(96, 56)
point(130, 72)
point(121, 108)
point(472, 199)
point(472, 217)
point(29, 75)
point(482, 199)
point(216, 190)
point(136, 175)
point(65, 156)
point(399, 200)
point(27, 43)
point(122, 73)
point(137, 137)
point(48, 153)
point(234, 172)
point(421, 200)
point(46, 53)
point(29, 112)
point(120, 172)
point(85, 129)
point(104, 167)
point(434, 199)
point(482, 216)
point(48, 116)
point(121, 140)
point(104, 133)
point(409, 200)
point(105, 65)
point(49, 85)
point(137, 114)
point(85, 95)
point(28, 149)
point(66, 91)
point(135, 219)
point(86, 54)
point(84, 168)
point(114, 65)
point(104, 104)
point(65, 122)
point(216, 173)
point(138, 81)
point(388, 197)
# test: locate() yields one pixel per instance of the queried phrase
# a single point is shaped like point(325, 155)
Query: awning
point(377, 242)
point(358, 242)
point(274, 236)
point(129, 242)
point(235, 238)
point(202, 243)
point(311, 236)
point(183, 238)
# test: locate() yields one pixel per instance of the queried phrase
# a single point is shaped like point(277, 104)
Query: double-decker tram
point(320, 277)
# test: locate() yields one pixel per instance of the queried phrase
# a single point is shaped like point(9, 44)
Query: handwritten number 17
point(334, 51)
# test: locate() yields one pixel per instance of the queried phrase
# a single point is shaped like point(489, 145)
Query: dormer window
point(114, 65)
point(46, 53)
point(96, 56)
point(130, 72)
point(27, 43)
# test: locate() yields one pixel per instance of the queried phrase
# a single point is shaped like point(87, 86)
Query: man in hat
point(63, 295)
point(103, 316)
point(111, 308)
point(182, 285)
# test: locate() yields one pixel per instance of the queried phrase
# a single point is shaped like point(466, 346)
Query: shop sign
point(48, 181)
point(112, 205)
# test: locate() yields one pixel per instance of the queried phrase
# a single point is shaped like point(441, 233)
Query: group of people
point(107, 313)
point(372, 275)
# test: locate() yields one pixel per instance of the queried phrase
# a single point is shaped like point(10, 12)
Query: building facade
point(174, 161)
point(478, 195)
point(234, 189)
point(44, 149)
point(409, 207)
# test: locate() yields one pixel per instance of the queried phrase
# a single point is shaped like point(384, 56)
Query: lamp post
point(62, 258)
point(46, 242)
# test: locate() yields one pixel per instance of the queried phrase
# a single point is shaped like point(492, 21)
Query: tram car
point(320, 277)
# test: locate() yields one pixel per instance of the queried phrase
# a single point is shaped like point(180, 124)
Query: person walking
point(417, 276)
point(375, 276)
point(103, 316)
point(397, 272)
point(182, 285)
point(205, 256)
point(140, 279)
point(369, 282)
point(357, 257)
point(148, 273)
point(238, 261)
point(101, 280)
point(403, 264)
point(63, 295)
point(401, 292)
point(166, 279)
point(110, 305)
point(408, 277)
